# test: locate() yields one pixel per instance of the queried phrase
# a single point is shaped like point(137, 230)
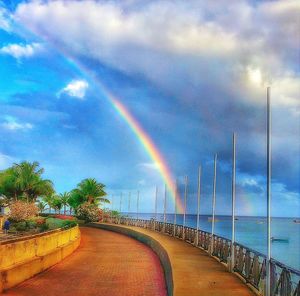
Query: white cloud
point(149, 166)
point(76, 89)
point(206, 43)
point(12, 124)
point(5, 161)
point(19, 51)
point(5, 19)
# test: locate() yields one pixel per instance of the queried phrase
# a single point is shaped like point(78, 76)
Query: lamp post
point(198, 205)
point(233, 200)
point(137, 204)
point(165, 208)
point(185, 198)
point(213, 205)
point(121, 196)
point(175, 210)
point(155, 207)
point(269, 176)
point(111, 208)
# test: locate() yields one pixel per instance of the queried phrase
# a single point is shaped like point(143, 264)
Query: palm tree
point(41, 206)
point(8, 187)
point(29, 180)
point(24, 181)
point(88, 190)
point(48, 199)
point(64, 197)
point(57, 203)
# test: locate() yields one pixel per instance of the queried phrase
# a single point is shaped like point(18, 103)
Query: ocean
point(250, 232)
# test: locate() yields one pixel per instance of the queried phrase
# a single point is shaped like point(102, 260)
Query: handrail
point(249, 264)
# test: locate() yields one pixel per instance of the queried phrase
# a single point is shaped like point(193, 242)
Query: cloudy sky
point(190, 72)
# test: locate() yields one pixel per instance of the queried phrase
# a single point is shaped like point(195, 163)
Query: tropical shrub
point(20, 210)
point(40, 220)
point(54, 223)
point(44, 227)
point(21, 226)
point(88, 212)
point(31, 224)
point(69, 224)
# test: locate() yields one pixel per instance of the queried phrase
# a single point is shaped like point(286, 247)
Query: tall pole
point(269, 172)
point(111, 209)
point(137, 204)
point(213, 205)
point(165, 207)
point(198, 204)
point(233, 185)
point(121, 195)
point(155, 207)
point(129, 197)
point(175, 210)
point(185, 198)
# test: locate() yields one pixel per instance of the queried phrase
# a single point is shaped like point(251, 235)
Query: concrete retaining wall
point(22, 258)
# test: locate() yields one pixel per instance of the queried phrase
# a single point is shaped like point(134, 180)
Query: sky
point(190, 73)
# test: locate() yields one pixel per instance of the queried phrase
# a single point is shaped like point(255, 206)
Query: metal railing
point(248, 263)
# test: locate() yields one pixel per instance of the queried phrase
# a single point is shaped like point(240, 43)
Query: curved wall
point(25, 257)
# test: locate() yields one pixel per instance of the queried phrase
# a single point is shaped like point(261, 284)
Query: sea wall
point(22, 258)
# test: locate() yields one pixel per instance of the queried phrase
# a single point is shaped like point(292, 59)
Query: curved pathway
point(105, 264)
point(194, 271)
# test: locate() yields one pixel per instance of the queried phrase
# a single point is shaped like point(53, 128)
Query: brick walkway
point(194, 272)
point(105, 264)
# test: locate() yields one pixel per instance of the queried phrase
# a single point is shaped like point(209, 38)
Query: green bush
point(69, 224)
point(31, 224)
point(21, 226)
point(44, 227)
point(54, 223)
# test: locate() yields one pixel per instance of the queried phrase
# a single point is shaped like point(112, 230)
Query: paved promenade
point(105, 264)
point(194, 271)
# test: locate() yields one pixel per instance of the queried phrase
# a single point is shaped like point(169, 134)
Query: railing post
point(184, 213)
point(128, 217)
point(111, 208)
point(175, 210)
point(121, 195)
point(137, 204)
point(165, 206)
point(213, 205)
point(269, 163)
point(233, 201)
point(155, 207)
point(198, 206)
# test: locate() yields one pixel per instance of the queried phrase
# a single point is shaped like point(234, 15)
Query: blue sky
point(191, 73)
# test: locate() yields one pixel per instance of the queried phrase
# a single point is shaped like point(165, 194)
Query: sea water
point(250, 232)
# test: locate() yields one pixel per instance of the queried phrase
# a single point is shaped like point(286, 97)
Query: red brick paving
point(105, 264)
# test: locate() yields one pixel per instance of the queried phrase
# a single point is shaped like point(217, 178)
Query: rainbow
point(138, 130)
point(148, 145)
